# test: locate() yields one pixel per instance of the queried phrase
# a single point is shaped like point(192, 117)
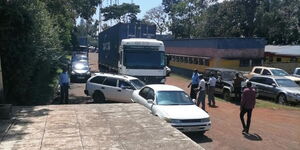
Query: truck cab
point(143, 58)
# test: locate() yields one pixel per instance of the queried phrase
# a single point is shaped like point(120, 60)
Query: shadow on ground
point(199, 138)
point(23, 118)
point(253, 137)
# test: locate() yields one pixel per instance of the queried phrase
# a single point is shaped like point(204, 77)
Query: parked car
point(105, 86)
point(80, 71)
point(224, 84)
point(296, 72)
point(281, 89)
point(269, 71)
point(173, 105)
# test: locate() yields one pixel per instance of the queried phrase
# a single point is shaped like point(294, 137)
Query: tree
point(122, 13)
point(183, 15)
point(32, 38)
point(158, 17)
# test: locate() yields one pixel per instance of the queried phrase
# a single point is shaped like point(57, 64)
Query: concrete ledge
point(92, 126)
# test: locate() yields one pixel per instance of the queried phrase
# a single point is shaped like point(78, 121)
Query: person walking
point(64, 83)
point(211, 90)
point(237, 86)
point(194, 84)
point(247, 105)
point(201, 96)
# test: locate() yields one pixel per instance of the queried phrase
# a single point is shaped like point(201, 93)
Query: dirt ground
point(270, 129)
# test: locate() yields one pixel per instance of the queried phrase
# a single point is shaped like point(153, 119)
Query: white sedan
point(173, 105)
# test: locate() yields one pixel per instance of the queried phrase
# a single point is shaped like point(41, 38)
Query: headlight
point(205, 120)
point(163, 80)
point(292, 94)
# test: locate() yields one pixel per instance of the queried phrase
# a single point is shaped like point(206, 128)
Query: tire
point(226, 95)
point(202, 132)
point(281, 99)
point(98, 97)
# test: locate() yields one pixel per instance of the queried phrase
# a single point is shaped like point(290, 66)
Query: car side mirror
point(273, 84)
point(150, 101)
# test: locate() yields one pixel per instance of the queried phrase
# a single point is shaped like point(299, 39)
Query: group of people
point(247, 97)
point(198, 84)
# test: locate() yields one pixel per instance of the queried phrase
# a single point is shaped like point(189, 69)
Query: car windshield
point(228, 75)
point(138, 57)
point(138, 84)
point(173, 98)
point(279, 72)
point(286, 83)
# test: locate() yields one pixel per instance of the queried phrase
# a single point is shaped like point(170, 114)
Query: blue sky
point(145, 5)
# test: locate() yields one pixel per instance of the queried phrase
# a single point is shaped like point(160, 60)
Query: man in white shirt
point(201, 96)
point(211, 90)
point(64, 86)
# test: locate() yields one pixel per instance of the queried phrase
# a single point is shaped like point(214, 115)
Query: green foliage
point(33, 35)
point(276, 20)
point(122, 13)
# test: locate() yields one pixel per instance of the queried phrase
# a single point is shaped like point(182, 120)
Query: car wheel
point(226, 95)
point(98, 97)
point(201, 132)
point(281, 99)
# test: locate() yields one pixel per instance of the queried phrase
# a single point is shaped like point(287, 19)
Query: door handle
point(102, 88)
point(119, 90)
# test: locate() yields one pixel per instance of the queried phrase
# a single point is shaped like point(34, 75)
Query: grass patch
point(259, 102)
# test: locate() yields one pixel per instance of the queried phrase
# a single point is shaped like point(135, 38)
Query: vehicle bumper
point(152, 79)
point(80, 76)
point(192, 127)
point(295, 99)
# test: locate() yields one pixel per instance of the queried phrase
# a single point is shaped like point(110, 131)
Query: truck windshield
point(142, 57)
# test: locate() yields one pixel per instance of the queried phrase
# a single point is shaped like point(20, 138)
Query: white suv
point(105, 86)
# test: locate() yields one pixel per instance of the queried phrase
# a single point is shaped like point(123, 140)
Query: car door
point(95, 84)
point(124, 91)
point(258, 84)
point(269, 89)
point(109, 88)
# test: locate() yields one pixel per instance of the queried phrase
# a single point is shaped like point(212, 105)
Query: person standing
point(247, 105)
point(194, 83)
point(211, 90)
point(201, 96)
point(237, 86)
point(64, 83)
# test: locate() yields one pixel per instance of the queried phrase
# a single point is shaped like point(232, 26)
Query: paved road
point(270, 129)
point(91, 127)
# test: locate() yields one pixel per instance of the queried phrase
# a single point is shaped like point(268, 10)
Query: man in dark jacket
point(247, 105)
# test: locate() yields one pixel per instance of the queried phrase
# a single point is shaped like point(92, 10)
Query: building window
point(186, 60)
point(244, 63)
point(195, 61)
point(200, 61)
point(256, 62)
point(271, 59)
point(294, 59)
point(278, 59)
point(191, 60)
point(206, 62)
point(180, 59)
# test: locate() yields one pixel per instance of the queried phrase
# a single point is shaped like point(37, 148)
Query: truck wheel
point(226, 95)
point(281, 99)
point(98, 97)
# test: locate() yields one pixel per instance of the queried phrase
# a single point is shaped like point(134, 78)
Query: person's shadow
point(252, 137)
